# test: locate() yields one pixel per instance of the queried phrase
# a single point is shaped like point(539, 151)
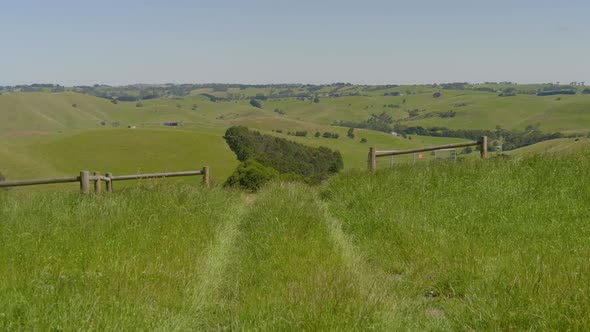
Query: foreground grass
point(287, 274)
point(131, 261)
point(495, 245)
point(501, 245)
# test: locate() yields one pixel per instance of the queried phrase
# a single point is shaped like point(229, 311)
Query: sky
point(273, 41)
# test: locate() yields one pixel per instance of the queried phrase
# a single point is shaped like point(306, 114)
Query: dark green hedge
point(314, 164)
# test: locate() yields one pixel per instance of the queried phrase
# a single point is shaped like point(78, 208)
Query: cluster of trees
point(394, 93)
point(447, 114)
point(379, 122)
point(415, 114)
point(36, 87)
point(484, 89)
point(511, 139)
point(261, 97)
point(294, 133)
point(255, 103)
point(556, 92)
point(288, 158)
point(211, 97)
point(391, 106)
point(506, 94)
point(454, 86)
point(327, 134)
point(350, 133)
point(279, 111)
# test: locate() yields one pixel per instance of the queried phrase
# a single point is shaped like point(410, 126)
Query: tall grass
point(286, 273)
point(500, 245)
point(495, 245)
point(128, 261)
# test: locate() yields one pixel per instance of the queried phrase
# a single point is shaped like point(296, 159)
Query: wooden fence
point(374, 154)
point(85, 178)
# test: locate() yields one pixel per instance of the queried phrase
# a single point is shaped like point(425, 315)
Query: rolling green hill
point(43, 134)
point(39, 129)
point(556, 146)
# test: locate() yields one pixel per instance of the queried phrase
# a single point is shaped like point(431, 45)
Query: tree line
point(287, 158)
point(511, 139)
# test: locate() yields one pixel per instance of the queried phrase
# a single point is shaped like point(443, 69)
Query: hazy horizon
point(295, 83)
point(277, 42)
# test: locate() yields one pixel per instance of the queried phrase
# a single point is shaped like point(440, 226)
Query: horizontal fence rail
point(85, 178)
point(22, 183)
point(154, 175)
point(374, 154)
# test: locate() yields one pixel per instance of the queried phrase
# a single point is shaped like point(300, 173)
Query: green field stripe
point(286, 274)
point(215, 266)
point(372, 283)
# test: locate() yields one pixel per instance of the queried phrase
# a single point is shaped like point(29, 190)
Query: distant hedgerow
point(313, 164)
point(255, 103)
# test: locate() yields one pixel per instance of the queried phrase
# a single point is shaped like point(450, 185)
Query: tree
point(363, 140)
point(436, 95)
point(255, 103)
point(317, 134)
point(2, 178)
point(327, 135)
point(316, 100)
point(75, 105)
point(350, 133)
point(139, 104)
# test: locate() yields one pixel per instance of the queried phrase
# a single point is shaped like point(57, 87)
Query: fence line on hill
point(374, 153)
point(85, 178)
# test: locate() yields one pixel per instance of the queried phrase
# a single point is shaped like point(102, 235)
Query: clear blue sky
point(274, 41)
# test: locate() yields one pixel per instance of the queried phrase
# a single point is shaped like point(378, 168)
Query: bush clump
point(251, 175)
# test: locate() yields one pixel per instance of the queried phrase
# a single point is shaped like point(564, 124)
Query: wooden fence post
point(97, 183)
point(206, 176)
point(372, 159)
point(110, 182)
point(484, 147)
point(84, 182)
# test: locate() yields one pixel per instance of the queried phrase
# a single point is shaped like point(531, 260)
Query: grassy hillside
point(38, 130)
point(121, 151)
point(496, 245)
point(556, 146)
point(478, 110)
point(42, 134)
